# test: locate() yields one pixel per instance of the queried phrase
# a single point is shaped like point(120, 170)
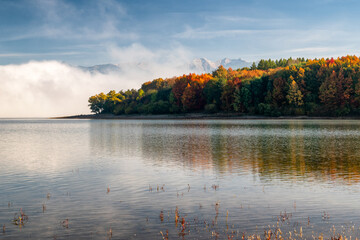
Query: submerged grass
point(220, 225)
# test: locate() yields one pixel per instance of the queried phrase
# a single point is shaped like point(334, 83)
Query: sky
point(42, 42)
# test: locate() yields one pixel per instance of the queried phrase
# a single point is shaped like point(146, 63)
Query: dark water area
point(195, 179)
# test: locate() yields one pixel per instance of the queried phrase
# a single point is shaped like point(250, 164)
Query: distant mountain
point(202, 65)
point(234, 63)
point(205, 65)
point(197, 65)
point(102, 68)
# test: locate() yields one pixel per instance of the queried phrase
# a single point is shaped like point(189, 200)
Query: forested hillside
point(319, 87)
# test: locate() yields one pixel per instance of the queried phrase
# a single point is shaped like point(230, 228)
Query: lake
point(179, 179)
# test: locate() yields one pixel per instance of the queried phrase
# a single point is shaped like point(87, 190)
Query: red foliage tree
point(179, 87)
point(192, 98)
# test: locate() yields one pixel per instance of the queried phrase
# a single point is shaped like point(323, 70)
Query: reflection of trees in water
point(178, 146)
point(290, 156)
point(291, 151)
point(304, 157)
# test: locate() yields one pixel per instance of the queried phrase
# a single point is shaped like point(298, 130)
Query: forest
point(285, 87)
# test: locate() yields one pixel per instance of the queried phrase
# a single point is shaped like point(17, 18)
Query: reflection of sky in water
point(262, 167)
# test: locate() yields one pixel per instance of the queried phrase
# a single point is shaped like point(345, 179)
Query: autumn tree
point(278, 93)
point(155, 84)
point(344, 89)
point(220, 73)
point(179, 87)
point(192, 98)
point(213, 90)
point(294, 96)
point(242, 98)
point(97, 103)
point(328, 92)
point(227, 97)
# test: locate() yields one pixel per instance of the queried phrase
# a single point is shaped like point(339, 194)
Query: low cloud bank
point(53, 88)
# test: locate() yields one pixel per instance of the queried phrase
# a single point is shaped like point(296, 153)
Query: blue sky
point(87, 32)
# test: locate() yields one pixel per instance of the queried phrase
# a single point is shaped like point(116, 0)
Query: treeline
point(268, 64)
point(320, 87)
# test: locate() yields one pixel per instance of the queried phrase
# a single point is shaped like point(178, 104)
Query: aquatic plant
point(161, 216)
point(165, 237)
point(20, 219)
point(65, 223)
point(109, 233)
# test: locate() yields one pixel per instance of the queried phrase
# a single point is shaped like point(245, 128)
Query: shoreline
point(196, 116)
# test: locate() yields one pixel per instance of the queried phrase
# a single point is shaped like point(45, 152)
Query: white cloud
point(155, 63)
point(52, 88)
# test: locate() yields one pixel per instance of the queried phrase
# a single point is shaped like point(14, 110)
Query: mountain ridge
point(207, 66)
point(197, 65)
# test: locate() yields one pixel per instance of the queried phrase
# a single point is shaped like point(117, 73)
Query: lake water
point(226, 178)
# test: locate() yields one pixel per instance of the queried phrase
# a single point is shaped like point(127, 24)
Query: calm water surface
point(226, 177)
